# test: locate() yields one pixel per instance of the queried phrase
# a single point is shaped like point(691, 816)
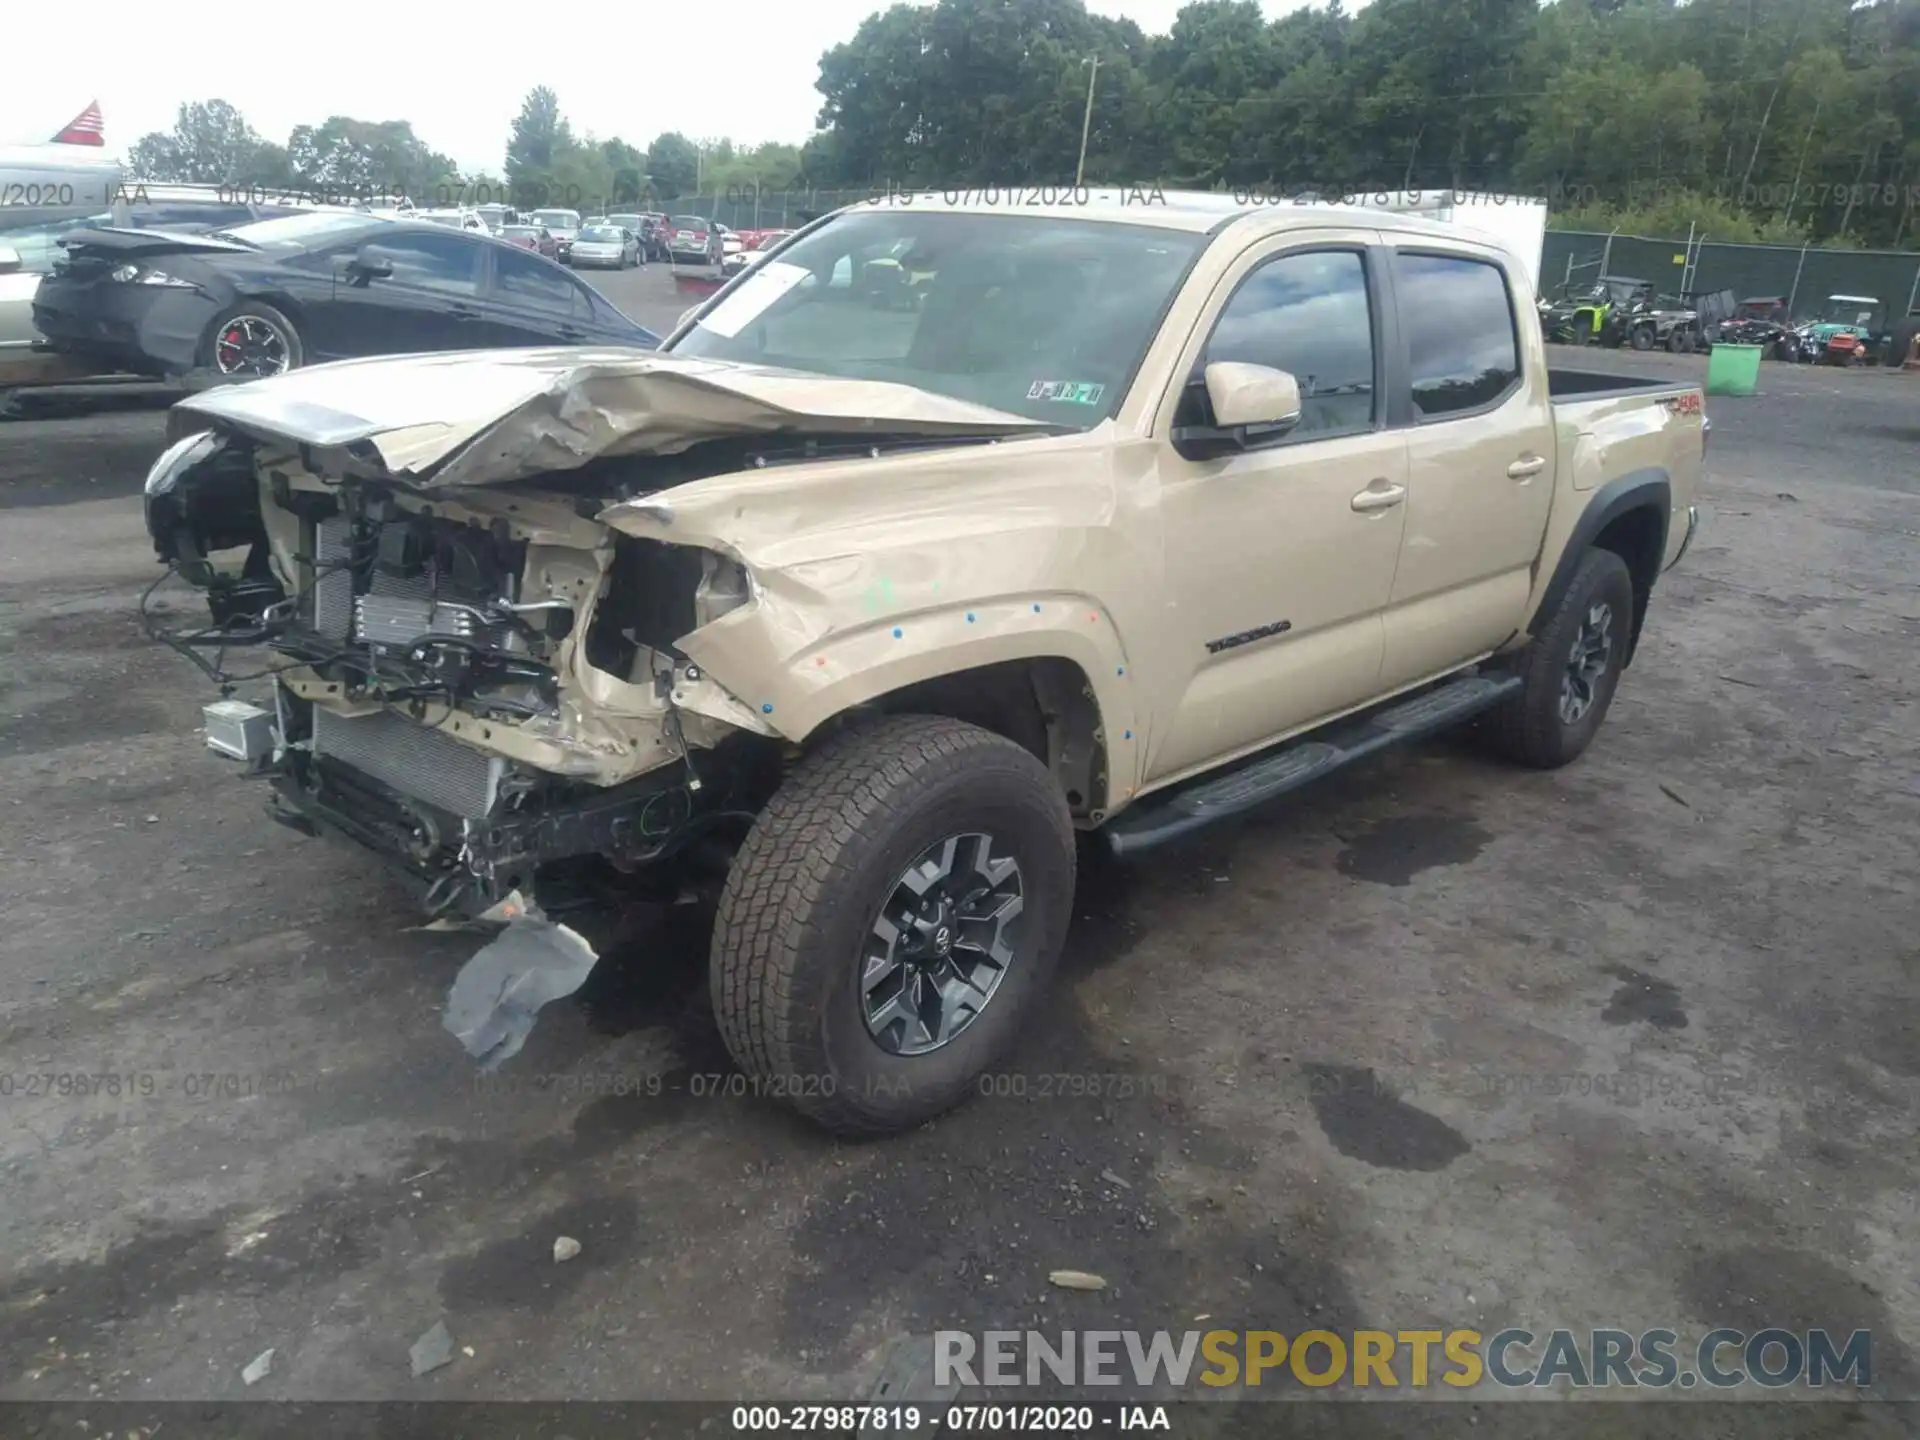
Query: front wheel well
point(1045, 705)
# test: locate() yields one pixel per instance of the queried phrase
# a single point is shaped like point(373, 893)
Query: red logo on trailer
point(86, 128)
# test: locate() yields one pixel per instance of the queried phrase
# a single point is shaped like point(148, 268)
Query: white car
point(605, 246)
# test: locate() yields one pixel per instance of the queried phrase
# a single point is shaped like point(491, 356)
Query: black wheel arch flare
point(1631, 513)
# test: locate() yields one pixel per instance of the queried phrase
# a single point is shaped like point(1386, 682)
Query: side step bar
point(1255, 781)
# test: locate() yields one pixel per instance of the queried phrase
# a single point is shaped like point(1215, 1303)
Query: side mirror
point(371, 263)
point(10, 263)
point(1249, 404)
point(1248, 397)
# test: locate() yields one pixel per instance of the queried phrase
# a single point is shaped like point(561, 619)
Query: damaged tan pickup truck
point(944, 533)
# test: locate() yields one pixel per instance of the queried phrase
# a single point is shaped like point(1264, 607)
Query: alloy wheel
point(1587, 662)
point(944, 939)
point(251, 345)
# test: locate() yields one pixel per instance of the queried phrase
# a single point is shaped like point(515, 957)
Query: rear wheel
point(1570, 669)
point(1641, 337)
point(894, 915)
point(1680, 341)
point(252, 341)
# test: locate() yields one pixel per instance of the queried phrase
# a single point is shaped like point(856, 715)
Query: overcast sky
point(627, 69)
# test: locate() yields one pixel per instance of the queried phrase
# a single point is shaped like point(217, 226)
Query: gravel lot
point(1444, 1044)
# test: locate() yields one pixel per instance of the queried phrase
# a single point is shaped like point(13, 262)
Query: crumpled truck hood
point(492, 416)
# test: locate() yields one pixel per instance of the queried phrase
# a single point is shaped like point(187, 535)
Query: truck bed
point(1596, 384)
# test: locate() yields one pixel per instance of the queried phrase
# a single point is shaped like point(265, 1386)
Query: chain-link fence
point(747, 207)
point(1804, 275)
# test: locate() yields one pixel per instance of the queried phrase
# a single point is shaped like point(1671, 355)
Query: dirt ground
point(1445, 1044)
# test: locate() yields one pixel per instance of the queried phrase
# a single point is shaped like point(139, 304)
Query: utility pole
point(1086, 121)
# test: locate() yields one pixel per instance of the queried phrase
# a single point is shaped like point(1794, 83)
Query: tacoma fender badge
point(1247, 637)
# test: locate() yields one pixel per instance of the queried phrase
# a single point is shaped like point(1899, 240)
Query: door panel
point(1273, 538)
point(1280, 559)
point(430, 302)
point(1480, 467)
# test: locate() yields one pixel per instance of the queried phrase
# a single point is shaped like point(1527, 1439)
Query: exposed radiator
point(395, 611)
point(333, 588)
point(415, 759)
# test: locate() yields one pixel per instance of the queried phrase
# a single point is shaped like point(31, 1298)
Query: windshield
point(602, 233)
point(1850, 310)
point(557, 219)
point(689, 222)
point(627, 222)
point(298, 231)
point(1041, 317)
point(521, 232)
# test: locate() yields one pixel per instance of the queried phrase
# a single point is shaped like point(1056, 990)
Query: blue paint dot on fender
point(970, 617)
point(1036, 607)
point(767, 709)
point(1120, 670)
point(898, 632)
point(1127, 736)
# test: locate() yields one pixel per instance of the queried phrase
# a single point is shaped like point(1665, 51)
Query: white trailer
point(1517, 222)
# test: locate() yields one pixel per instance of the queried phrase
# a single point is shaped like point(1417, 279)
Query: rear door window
point(522, 278)
point(1463, 349)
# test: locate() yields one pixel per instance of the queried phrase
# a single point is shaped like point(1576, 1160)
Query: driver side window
point(1309, 314)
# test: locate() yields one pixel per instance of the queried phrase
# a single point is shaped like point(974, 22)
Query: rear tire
point(800, 950)
point(1641, 337)
point(1570, 669)
point(254, 319)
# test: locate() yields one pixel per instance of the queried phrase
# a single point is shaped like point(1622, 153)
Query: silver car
point(606, 247)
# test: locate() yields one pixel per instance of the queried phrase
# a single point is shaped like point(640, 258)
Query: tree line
point(546, 163)
point(1780, 121)
point(1777, 120)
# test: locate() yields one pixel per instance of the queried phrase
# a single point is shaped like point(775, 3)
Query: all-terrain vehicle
point(1761, 320)
point(1681, 323)
point(1584, 311)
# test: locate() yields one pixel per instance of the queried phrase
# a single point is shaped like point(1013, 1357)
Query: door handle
point(460, 310)
point(1526, 467)
point(1384, 497)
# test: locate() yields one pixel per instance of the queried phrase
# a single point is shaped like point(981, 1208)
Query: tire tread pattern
point(1527, 728)
point(800, 861)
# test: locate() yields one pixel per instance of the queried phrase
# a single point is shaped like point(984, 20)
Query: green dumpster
point(1733, 370)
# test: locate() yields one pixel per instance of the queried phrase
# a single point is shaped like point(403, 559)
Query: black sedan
point(329, 285)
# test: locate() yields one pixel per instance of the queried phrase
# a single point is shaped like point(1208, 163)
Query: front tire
point(1642, 338)
point(893, 917)
point(1570, 669)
